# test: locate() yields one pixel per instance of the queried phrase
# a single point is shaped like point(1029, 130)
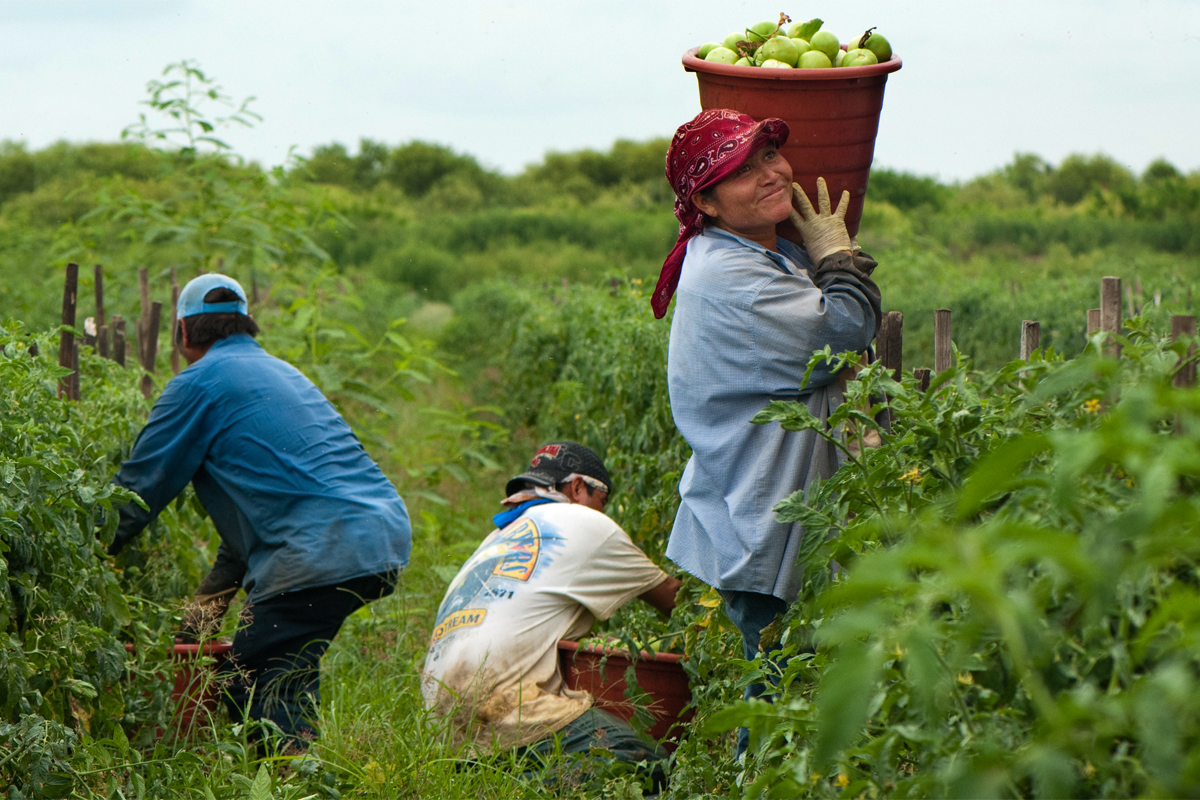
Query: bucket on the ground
point(197, 693)
point(833, 115)
point(659, 675)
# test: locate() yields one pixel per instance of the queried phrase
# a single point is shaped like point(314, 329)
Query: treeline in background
point(417, 223)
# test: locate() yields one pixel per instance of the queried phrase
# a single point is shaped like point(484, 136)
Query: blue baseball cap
point(191, 299)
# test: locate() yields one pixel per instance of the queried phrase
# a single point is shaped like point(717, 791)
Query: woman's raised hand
point(823, 232)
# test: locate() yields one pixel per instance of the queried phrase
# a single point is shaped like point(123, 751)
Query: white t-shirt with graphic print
point(492, 667)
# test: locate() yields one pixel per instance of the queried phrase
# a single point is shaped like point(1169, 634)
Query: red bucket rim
point(693, 64)
point(572, 647)
point(214, 647)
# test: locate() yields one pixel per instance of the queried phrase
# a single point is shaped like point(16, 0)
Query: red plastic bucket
point(659, 675)
point(833, 115)
point(196, 693)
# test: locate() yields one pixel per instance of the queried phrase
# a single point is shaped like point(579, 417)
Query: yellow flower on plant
point(912, 476)
point(966, 678)
point(1092, 406)
point(899, 653)
point(816, 776)
point(842, 780)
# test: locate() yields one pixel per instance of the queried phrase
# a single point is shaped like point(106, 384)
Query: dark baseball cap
point(553, 462)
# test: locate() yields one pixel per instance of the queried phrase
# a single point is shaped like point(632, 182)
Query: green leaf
point(809, 28)
point(843, 697)
point(996, 472)
point(261, 788)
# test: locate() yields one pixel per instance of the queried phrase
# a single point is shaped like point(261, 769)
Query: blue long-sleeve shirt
point(746, 322)
point(287, 484)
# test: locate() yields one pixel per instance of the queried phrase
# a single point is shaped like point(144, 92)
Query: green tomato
point(837, 60)
point(859, 58)
point(781, 48)
point(732, 39)
point(879, 46)
point(744, 62)
point(759, 31)
point(721, 55)
point(827, 43)
point(707, 48)
point(815, 59)
point(771, 63)
point(803, 45)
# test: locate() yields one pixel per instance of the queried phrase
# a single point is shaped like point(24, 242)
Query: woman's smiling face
point(756, 197)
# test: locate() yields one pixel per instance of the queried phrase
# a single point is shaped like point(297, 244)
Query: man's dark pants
point(751, 612)
point(275, 667)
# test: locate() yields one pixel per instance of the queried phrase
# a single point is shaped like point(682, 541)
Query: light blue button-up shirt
point(286, 482)
point(746, 322)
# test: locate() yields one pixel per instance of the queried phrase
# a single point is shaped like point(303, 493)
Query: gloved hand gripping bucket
point(833, 115)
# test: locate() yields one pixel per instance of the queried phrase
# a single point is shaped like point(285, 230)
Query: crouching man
point(309, 525)
point(554, 565)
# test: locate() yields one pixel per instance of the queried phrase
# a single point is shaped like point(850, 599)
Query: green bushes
point(65, 613)
point(1014, 615)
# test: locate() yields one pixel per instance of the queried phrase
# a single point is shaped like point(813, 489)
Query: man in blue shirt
point(305, 515)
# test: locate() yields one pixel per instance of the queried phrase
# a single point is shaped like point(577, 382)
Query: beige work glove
point(823, 233)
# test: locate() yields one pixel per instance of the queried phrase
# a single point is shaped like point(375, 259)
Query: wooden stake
point(943, 353)
point(890, 342)
point(118, 351)
point(66, 341)
point(153, 327)
point(98, 280)
point(150, 351)
point(1110, 313)
point(1185, 325)
point(1093, 321)
point(104, 348)
point(1031, 334)
point(922, 375)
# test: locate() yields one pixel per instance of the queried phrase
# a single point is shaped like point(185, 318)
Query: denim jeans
point(597, 728)
point(751, 612)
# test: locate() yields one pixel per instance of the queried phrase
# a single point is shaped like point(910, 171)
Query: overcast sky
point(507, 81)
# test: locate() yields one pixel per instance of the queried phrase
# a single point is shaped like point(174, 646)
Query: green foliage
point(1008, 615)
point(65, 613)
point(583, 365)
point(182, 99)
point(908, 192)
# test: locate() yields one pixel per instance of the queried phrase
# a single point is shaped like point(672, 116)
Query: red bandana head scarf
point(703, 153)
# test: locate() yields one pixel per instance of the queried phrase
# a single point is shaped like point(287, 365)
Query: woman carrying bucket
point(751, 308)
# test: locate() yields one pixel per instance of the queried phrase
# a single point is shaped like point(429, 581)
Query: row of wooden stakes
point(889, 342)
point(111, 340)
